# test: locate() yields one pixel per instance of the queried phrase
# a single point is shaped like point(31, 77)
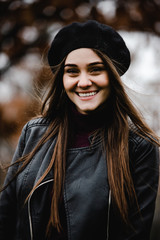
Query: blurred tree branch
point(37, 16)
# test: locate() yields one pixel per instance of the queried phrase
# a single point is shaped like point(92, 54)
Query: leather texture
point(86, 191)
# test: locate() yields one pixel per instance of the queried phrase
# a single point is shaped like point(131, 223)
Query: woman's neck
point(83, 125)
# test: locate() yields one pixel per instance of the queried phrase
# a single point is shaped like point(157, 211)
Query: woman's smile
point(84, 96)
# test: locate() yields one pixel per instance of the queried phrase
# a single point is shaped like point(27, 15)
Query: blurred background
point(26, 30)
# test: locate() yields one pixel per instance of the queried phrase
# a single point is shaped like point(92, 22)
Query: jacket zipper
point(108, 217)
point(29, 207)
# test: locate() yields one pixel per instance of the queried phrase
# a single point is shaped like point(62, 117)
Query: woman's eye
point(96, 70)
point(71, 71)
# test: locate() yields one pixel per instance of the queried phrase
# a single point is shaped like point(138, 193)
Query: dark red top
point(84, 126)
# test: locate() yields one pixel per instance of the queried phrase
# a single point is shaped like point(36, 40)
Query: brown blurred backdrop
point(26, 30)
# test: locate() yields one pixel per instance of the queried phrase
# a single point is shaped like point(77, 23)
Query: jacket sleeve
point(8, 201)
point(145, 173)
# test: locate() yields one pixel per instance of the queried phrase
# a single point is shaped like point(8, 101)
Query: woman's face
point(85, 80)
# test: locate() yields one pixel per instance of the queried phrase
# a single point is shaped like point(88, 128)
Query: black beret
point(90, 34)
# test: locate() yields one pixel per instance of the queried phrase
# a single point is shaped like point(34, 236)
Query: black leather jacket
point(87, 198)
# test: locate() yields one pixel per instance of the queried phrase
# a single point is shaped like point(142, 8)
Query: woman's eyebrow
point(70, 65)
point(95, 63)
point(90, 64)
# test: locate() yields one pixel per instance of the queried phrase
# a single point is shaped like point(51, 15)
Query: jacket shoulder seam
point(37, 122)
point(137, 140)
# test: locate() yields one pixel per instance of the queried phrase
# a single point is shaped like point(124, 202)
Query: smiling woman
point(88, 167)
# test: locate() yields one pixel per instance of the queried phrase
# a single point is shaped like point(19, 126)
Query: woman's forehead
point(82, 55)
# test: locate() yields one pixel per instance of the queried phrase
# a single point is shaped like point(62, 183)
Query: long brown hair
point(55, 108)
point(125, 117)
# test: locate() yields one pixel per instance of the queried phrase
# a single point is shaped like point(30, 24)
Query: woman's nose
point(84, 81)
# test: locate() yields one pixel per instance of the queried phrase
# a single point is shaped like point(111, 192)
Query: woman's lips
point(86, 94)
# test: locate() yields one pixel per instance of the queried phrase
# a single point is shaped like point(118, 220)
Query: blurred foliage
point(25, 24)
point(27, 27)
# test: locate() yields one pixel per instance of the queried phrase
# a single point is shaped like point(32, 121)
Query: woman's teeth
point(87, 94)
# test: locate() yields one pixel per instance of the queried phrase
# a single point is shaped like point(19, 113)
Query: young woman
point(88, 168)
